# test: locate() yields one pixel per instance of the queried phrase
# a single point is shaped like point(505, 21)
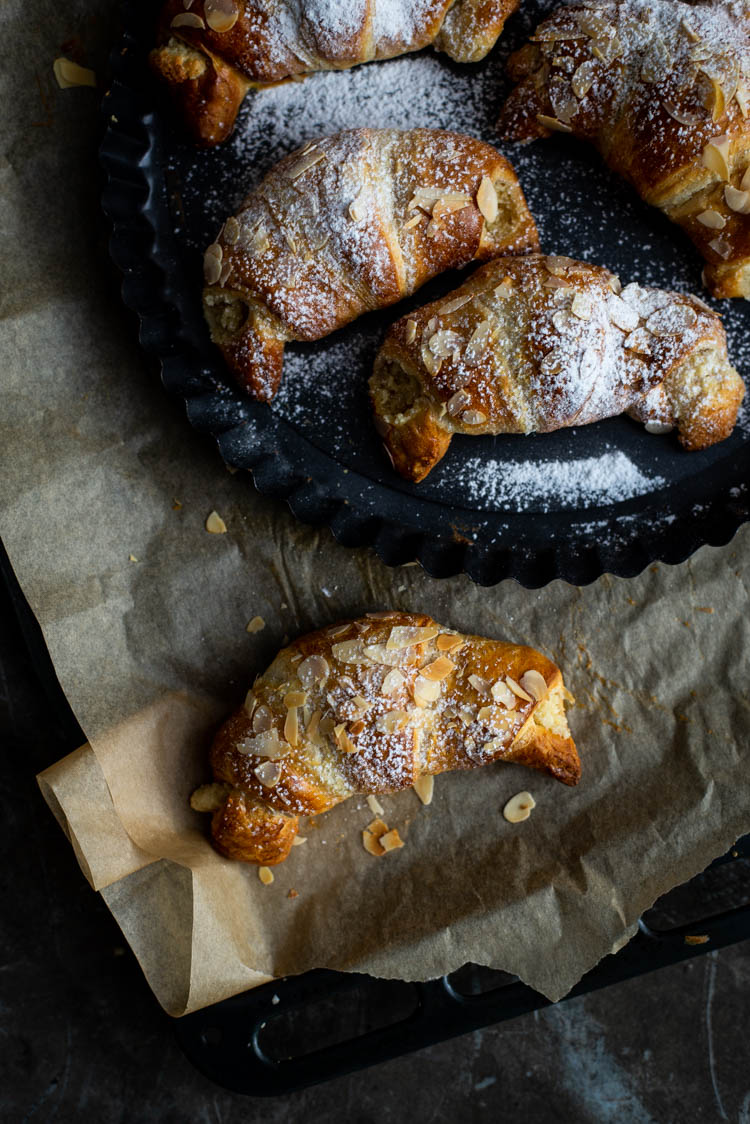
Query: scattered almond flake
point(299, 840)
point(375, 806)
point(487, 200)
point(478, 342)
point(313, 669)
point(553, 123)
point(132, 558)
point(393, 681)
point(716, 156)
point(583, 79)
point(345, 743)
point(535, 683)
point(265, 875)
point(485, 714)
point(443, 343)
point(696, 938)
point(312, 725)
point(453, 305)
point(518, 808)
point(391, 841)
point(415, 220)
point(558, 264)
point(448, 642)
point(70, 74)
point(425, 198)
point(294, 698)
point(504, 289)
point(671, 320)
point(424, 787)
point(743, 100)
point(209, 797)
point(638, 341)
point(406, 636)
point(457, 402)
point(212, 265)
point(473, 417)
point(226, 273)
point(621, 314)
point(439, 669)
point(503, 695)
point(266, 744)
point(411, 331)
point(426, 690)
point(268, 773)
point(290, 241)
point(517, 689)
point(221, 15)
point(250, 703)
point(479, 684)
point(231, 231)
point(188, 19)
point(659, 428)
point(348, 651)
point(358, 207)
point(711, 219)
point(215, 525)
point(309, 160)
point(582, 306)
point(262, 719)
point(679, 115)
point(291, 726)
point(392, 721)
point(432, 362)
point(737, 200)
point(256, 624)
point(372, 835)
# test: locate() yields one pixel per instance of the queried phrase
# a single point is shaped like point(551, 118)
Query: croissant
point(211, 54)
point(370, 706)
point(353, 222)
point(661, 89)
point(537, 343)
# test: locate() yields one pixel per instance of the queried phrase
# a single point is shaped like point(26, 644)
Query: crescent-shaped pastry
point(370, 706)
point(351, 223)
point(533, 344)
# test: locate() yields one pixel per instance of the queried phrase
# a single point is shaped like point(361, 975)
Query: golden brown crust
point(535, 344)
point(272, 41)
point(363, 707)
point(350, 223)
point(652, 86)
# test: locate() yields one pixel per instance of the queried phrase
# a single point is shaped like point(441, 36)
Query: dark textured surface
point(85, 1040)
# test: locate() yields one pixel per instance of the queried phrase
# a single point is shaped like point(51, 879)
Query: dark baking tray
point(303, 1030)
point(165, 201)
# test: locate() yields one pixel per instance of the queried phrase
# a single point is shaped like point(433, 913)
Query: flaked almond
point(458, 402)
point(671, 320)
point(215, 525)
point(265, 875)
point(583, 78)
point(621, 314)
point(393, 682)
point(268, 773)
point(266, 744)
point(348, 651)
point(391, 841)
point(415, 220)
point(361, 703)
point(371, 837)
point(188, 19)
point(254, 625)
point(439, 669)
point(518, 808)
point(712, 219)
point(250, 703)
point(447, 642)
point(262, 719)
point(721, 247)
point(358, 207)
point(444, 343)
point(657, 427)
point(392, 722)
point(479, 684)
point(313, 724)
point(503, 695)
point(582, 306)
point(221, 15)
point(424, 787)
point(558, 264)
point(478, 342)
point(425, 690)
point(212, 264)
point(231, 231)
point(487, 200)
point(448, 203)
point(737, 200)
point(504, 289)
point(743, 99)
point(535, 683)
point(517, 689)
point(291, 726)
point(552, 123)
point(485, 714)
point(309, 160)
point(405, 636)
point(411, 331)
point(299, 840)
point(473, 417)
point(209, 797)
point(70, 74)
point(313, 669)
point(295, 698)
point(638, 341)
point(375, 806)
point(453, 305)
point(716, 156)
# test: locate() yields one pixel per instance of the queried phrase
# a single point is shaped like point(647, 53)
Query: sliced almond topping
point(393, 682)
point(255, 625)
point(313, 669)
point(485, 713)
point(231, 231)
point(721, 247)
point(743, 100)
point(716, 156)
point(453, 305)
point(424, 787)
point(392, 722)
point(221, 15)
point(411, 331)
point(391, 841)
point(621, 314)
point(266, 744)
point(478, 341)
point(250, 703)
point(718, 99)
point(583, 78)
point(473, 417)
point(361, 702)
point(265, 875)
point(338, 629)
point(405, 636)
point(487, 200)
point(517, 689)
point(299, 840)
point(657, 427)
point(557, 264)
point(535, 683)
point(518, 808)
point(553, 123)
point(479, 684)
point(425, 690)
point(268, 773)
point(309, 160)
point(439, 669)
point(448, 642)
point(737, 200)
point(358, 207)
point(212, 265)
point(375, 806)
point(215, 525)
point(504, 289)
point(638, 341)
point(295, 698)
point(357, 727)
point(582, 306)
point(291, 726)
point(415, 220)
point(712, 219)
point(69, 74)
point(262, 719)
point(346, 743)
point(449, 203)
point(457, 402)
point(502, 694)
point(313, 724)
point(187, 19)
point(348, 651)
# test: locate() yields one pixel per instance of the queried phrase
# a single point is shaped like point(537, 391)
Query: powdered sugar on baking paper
point(550, 485)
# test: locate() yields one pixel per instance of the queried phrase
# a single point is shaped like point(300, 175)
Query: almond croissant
point(369, 706)
point(538, 343)
point(350, 223)
point(662, 88)
point(211, 52)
